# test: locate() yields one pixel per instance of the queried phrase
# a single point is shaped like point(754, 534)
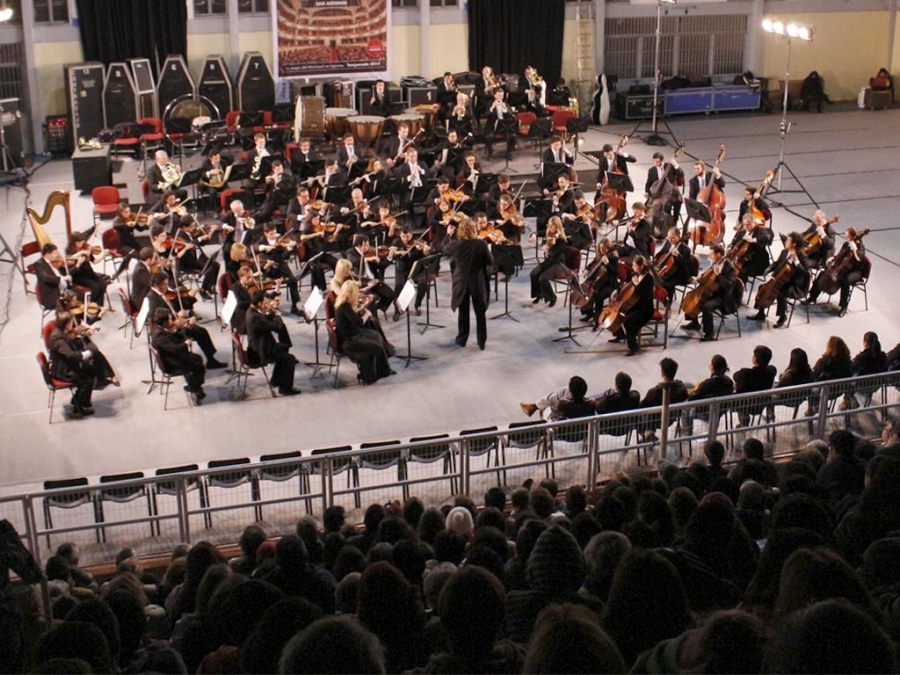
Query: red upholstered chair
point(152, 135)
point(106, 201)
point(53, 385)
point(560, 117)
point(126, 137)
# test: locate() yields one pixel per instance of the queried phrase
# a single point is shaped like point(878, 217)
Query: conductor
point(470, 259)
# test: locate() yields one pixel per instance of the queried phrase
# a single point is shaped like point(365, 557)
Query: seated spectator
point(754, 465)
point(514, 575)
point(654, 397)
point(568, 397)
point(567, 639)
point(890, 440)
point(876, 515)
point(870, 361)
point(797, 373)
point(80, 578)
point(717, 384)
point(759, 377)
point(812, 92)
point(333, 646)
point(844, 474)
point(714, 451)
point(77, 640)
point(619, 398)
point(251, 539)
point(297, 578)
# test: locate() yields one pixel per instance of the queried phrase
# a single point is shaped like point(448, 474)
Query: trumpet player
point(256, 156)
point(446, 91)
point(485, 87)
point(163, 177)
point(497, 112)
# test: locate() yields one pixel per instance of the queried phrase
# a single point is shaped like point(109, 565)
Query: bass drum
point(309, 118)
point(180, 114)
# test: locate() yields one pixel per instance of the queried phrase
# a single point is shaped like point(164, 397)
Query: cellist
point(798, 280)
point(722, 297)
point(750, 204)
point(640, 312)
point(601, 279)
point(854, 252)
point(820, 228)
point(673, 262)
point(749, 248)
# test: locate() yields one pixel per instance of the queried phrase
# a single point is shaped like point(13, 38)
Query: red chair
point(225, 199)
point(151, 140)
point(127, 138)
point(231, 121)
point(53, 385)
point(111, 243)
point(289, 151)
point(106, 201)
point(145, 190)
point(526, 119)
point(660, 320)
point(28, 250)
point(560, 117)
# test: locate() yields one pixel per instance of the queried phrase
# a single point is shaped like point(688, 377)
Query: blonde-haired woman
point(554, 263)
point(471, 260)
point(365, 346)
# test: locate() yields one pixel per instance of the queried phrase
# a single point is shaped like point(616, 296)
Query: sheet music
point(142, 316)
point(228, 308)
point(407, 293)
point(312, 304)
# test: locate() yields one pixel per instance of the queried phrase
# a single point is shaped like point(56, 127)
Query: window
point(51, 11)
point(402, 4)
point(253, 6)
point(444, 3)
point(207, 7)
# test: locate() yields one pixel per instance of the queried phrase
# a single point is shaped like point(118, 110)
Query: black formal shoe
point(481, 345)
point(632, 352)
point(759, 316)
point(206, 295)
point(616, 339)
point(707, 338)
point(87, 410)
point(70, 412)
point(807, 301)
point(780, 323)
point(460, 341)
point(536, 300)
point(396, 315)
point(201, 395)
point(196, 399)
point(213, 364)
point(418, 311)
point(843, 311)
point(292, 391)
point(552, 302)
point(693, 324)
point(296, 311)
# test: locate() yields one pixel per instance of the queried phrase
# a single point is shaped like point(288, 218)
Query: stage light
point(6, 14)
point(789, 30)
point(792, 30)
point(806, 33)
point(767, 25)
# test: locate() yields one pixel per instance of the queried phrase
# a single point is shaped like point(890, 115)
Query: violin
point(140, 218)
point(694, 299)
point(813, 240)
point(512, 215)
point(711, 195)
point(454, 195)
point(494, 234)
point(82, 310)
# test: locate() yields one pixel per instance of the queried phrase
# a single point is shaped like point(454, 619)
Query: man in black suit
point(369, 269)
point(755, 259)
point(393, 148)
point(673, 261)
point(671, 172)
point(50, 281)
point(262, 321)
point(140, 278)
point(722, 298)
point(612, 158)
point(177, 358)
point(638, 234)
point(188, 326)
point(379, 102)
point(759, 377)
point(280, 188)
point(703, 178)
point(348, 153)
point(195, 261)
point(273, 257)
point(470, 263)
point(302, 155)
point(496, 112)
point(157, 186)
point(238, 226)
point(214, 167)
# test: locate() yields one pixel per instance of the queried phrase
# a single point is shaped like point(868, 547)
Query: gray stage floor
point(846, 159)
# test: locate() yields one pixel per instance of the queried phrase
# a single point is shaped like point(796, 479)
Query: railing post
point(664, 422)
point(822, 412)
point(593, 447)
point(464, 466)
point(713, 430)
point(31, 536)
point(328, 473)
point(184, 518)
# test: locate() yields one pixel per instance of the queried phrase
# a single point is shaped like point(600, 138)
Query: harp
point(57, 198)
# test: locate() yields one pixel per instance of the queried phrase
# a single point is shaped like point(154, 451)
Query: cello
point(694, 299)
point(614, 199)
point(831, 277)
point(706, 233)
point(768, 293)
point(613, 315)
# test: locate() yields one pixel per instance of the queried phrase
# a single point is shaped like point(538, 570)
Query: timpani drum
point(414, 120)
point(366, 129)
point(336, 121)
point(309, 117)
point(428, 111)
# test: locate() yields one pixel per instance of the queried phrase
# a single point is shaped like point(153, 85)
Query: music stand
point(405, 297)
point(240, 171)
point(509, 126)
point(311, 168)
point(573, 279)
point(699, 213)
point(550, 173)
point(485, 182)
point(577, 126)
point(311, 309)
point(357, 169)
point(252, 118)
point(191, 178)
point(429, 265)
point(503, 253)
point(336, 194)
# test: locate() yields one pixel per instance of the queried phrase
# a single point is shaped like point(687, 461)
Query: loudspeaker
point(84, 99)
point(255, 84)
point(143, 80)
point(174, 81)
point(215, 84)
point(11, 123)
point(120, 96)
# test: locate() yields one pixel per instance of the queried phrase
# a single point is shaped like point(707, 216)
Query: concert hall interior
point(845, 159)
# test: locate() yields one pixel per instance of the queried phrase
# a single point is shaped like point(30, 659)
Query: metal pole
point(654, 138)
point(784, 109)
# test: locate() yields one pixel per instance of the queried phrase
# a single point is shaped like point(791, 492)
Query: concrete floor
point(845, 159)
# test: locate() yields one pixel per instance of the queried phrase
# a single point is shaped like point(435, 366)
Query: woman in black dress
point(365, 346)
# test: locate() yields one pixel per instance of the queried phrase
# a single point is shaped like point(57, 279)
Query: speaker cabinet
point(215, 84)
point(255, 84)
point(143, 80)
point(84, 99)
point(120, 96)
point(174, 81)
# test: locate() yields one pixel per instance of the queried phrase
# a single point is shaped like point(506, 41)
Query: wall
point(848, 49)
point(449, 49)
point(201, 45)
point(49, 59)
point(405, 51)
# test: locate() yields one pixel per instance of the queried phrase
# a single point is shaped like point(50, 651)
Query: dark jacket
point(471, 260)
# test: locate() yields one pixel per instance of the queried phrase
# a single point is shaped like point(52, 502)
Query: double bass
point(706, 233)
point(831, 276)
point(758, 214)
point(614, 199)
point(663, 195)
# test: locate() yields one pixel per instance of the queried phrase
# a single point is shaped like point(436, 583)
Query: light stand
point(788, 32)
point(655, 137)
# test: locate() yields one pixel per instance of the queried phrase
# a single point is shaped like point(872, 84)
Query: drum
point(309, 117)
point(179, 115)
point(428, 110)
point(366, 129)
point(414, 120)
point(336, 121)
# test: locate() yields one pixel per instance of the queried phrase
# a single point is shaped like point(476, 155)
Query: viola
point(706, 233)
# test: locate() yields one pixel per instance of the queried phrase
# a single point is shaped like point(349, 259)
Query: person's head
point(639, 209)
point(717, 253)
point(668, 367)
point(883, 72)
point(333, 645)
point(349, 294)
point(379, 86)
point(714, 452)
point(843, 442)
point(748, 195)
point(870, 341)
point(799, 361)
point(563, 182)
point(578, 388)
point(608, 151)
point(259, 140)
point(748, 222)
point(567, 639)
point(623, 382)
point(658, 159)
point(466, 229)
point(639, 265)
point(75, 640)
point(556, 142)
point(762, 355)
point(162, 157)
point(471, 607)
point(837, 348)
point(699, 168)
point(718, 365)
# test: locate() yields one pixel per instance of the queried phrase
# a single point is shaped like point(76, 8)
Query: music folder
point(619, 182)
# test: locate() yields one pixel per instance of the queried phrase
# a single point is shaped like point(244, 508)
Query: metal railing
point(216, 503)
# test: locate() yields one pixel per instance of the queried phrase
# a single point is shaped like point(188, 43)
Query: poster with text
point(331, 37)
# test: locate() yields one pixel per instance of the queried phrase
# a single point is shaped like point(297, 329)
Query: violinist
point(387, 228)
point(348, 153)
point(438, 221)
point(638, 234)
point(492, 196)
point(498, 111)
point(552, 266)
point(820, 231)
point(471, 173)
point(298, 208)
point(242, 290)
point(639, 314)
point(703, 178)
point(577, 220)
point(848, 266)
point(405, 252)
point(273, 252)
point(52, 278)
point(263, 320)
point(365, 346)
point(343, 272)
point(141, 277)
point(159, 297)
point(798, 281)
point(562, 198)
point(722, 298)
point(176, 355)
point(126, 223)
point(751, 201)
point(484, 229)
point(195, 261)
point(393, 148)
point(379, 102)
point(508, 219)
point(613, 161)
point(673, 262)
point(279, 190)
point(602, 278)
point(239, 227)
point(239, 257)
point(80, 260)
point(75, 358)
point(440, 192)
point(369, 268)
point(313, 234)
point(167, 250)
point(749, 249)
point(171, 212)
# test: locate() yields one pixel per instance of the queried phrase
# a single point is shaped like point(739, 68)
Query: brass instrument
point(56, 198)
point(171, 175)
point(257, 163)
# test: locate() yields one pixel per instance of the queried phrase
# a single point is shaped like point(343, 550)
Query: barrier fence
point(153, 513)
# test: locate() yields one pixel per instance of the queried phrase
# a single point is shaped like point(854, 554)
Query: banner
point(331, 37)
